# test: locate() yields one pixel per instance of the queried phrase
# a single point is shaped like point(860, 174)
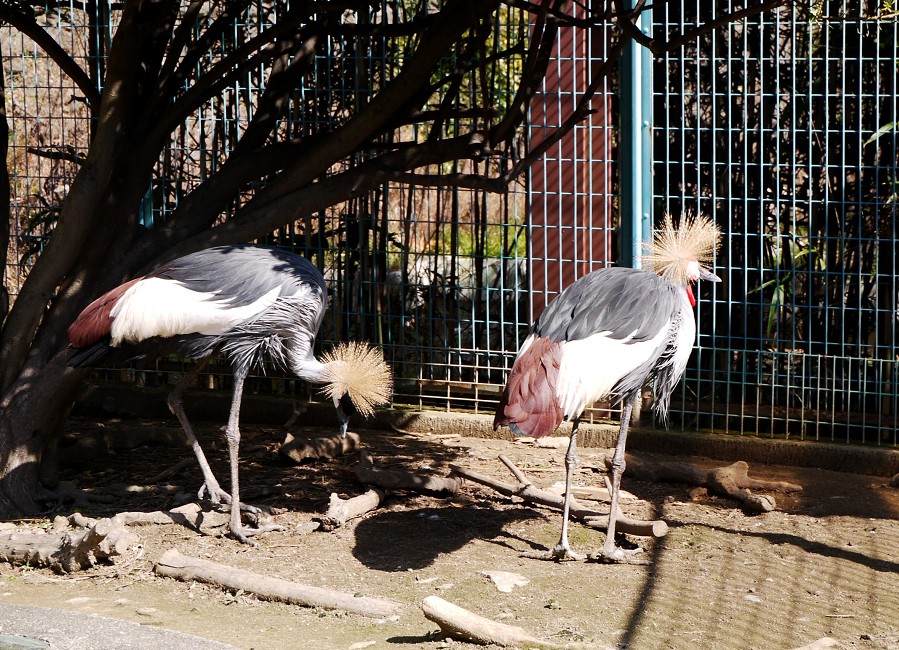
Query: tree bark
point(342, 510)
point(68, 551)
point(460, 623)
point(175, 565)
point(6, 218)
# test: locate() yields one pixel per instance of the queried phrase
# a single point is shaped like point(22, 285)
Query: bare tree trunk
point(31, 416)
point(6, 218)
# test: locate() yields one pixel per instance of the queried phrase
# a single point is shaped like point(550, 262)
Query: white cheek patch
point(692, 271)
point(158, 307)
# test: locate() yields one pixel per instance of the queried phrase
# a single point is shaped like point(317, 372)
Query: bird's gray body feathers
point(241, 273)
point(283, 330)
point(258, 302)
point(605, 336)
point(627, 303)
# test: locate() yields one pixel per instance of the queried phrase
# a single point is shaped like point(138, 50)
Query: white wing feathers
point(592, 366)
point(137, 315)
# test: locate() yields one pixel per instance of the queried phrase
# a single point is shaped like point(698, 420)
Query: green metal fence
point(765, 124)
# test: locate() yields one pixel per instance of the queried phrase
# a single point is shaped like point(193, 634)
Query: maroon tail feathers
point(528, 405)
point(94, 323)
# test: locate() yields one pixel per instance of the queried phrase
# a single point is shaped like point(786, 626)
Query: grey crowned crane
point(247, 303)
point(605, 336)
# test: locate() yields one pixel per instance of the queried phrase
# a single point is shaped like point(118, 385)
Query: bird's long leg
point(210, 484)
point(562, 550)
point(610, 551)
point(232, 435)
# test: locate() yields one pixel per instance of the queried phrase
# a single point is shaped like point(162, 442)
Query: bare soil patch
point(825, 563)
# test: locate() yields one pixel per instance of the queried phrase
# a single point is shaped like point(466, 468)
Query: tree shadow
point(415, 538)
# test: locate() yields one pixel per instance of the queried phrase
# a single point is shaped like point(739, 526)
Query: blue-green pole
point(636, 145)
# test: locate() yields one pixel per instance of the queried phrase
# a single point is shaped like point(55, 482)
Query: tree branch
point(734, 16)
point(79, 213)
point(255, 220)
point(456, 18)
point(26, 24)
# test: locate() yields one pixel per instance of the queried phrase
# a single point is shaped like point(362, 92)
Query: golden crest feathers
point(694, 238)
point(359, 370)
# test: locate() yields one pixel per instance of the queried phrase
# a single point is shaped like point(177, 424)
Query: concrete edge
point(127, 401)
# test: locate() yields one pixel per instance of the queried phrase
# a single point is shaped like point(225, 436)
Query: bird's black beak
point(708, 275)
point(344, 422)
point(345, 409)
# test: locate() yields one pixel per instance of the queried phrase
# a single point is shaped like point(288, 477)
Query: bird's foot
point(260, 522)
point(618, 555)
point(216, 494)
point(218, 497)
point(243, 534)
point(559, 553)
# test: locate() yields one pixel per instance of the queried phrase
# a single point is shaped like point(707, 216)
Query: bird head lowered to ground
point(680, 252)
point(356, 379)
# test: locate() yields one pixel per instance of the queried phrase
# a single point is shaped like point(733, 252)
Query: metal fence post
point(636, 144)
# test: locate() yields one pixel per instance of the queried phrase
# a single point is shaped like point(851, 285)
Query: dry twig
point(342, 510)
point(526, 490)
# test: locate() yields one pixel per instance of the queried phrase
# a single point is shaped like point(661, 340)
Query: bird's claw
point(559, 553)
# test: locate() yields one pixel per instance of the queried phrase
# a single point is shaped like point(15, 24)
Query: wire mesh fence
point(765, 124)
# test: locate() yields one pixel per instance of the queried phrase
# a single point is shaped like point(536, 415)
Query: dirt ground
point(824, 564)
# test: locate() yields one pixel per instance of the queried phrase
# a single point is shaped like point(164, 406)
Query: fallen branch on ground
point(732, 481)
point(526, 490)
point(175, 565)
point(68, 551)
point(174, 469)
point(460, 623)
point(302, 449)
point(190, 515)
point(389, 479)
point(342, 510)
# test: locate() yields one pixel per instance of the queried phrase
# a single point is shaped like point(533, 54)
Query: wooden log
point(724, 481)
point(174, 469)
point(190, 515)
point(68, 551)
point(182, 567)
point(342, 510)
point(526, 490)
point(302, 449)
point(589, 493)
point(731, 481)
point(388, 479)
point(460, 623)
